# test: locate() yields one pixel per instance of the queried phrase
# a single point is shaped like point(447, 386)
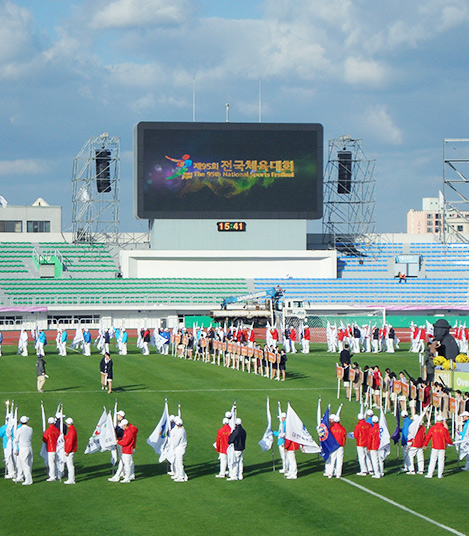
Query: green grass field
point(263, 503)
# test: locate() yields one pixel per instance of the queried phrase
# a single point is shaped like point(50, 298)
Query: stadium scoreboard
point(228, 171)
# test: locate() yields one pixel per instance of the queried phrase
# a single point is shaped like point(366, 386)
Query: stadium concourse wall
point(229, 264)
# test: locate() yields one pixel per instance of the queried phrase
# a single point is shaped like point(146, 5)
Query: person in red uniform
point(291, 469)
point(292, 341)
point(377, 382)
point(222, 446)
point(415, 448)
point(50, 437)
point(337, 457)
point(70, 447)
point(305, 340)
point(439, 436)
point(373, 446)
point(128, 444)
point(362, 435)
point(274, 334)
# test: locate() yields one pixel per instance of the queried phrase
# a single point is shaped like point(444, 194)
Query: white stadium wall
point(229, 264)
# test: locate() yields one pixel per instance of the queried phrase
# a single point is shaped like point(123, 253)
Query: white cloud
point(140, 13)
point(379, 123)
point(23, 167)
point(15, 29)
point(359, 71)
point(136, 75)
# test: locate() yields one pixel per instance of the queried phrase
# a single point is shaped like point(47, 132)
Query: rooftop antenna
point(193, 99)
point(260, 101)
point(227, 106)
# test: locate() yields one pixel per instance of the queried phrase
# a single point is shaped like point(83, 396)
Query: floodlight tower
point(454, 203)
point(349, 197)
point(95, 191)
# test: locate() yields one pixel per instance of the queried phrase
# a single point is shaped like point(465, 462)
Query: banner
point(296, 431)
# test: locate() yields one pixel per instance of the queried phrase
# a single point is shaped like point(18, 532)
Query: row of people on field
point(396, 392)
point(366, 338)
point(60, 445)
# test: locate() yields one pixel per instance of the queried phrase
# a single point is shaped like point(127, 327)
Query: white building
point(20, 222)
point(430, 219)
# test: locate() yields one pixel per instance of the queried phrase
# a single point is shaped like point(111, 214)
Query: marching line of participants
point(268, 361)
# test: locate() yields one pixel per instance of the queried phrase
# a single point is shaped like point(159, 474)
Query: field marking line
point(234, 389)
point(402, 507)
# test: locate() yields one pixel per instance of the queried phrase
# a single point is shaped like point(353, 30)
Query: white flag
point(463, 447)
point(107, 436)
point(414, 427)
point(429, 328)
point(268, 437)
point(43, 452)
point(78, 339)
point(60, 451)
point(296, 431)
point(93, 442)
point(441, 200)
point(159, 434)
point(384, 437)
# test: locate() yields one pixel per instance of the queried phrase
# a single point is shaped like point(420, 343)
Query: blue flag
point(327, 441)
point(396, 436)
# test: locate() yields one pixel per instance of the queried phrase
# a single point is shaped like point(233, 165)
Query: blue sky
point(394, 75)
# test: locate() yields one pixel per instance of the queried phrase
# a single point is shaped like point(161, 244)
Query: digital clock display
point(231, 226)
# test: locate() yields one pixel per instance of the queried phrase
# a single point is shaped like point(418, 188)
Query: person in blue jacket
point(282, 428)
point(124, 339)
point(41, 343)
point(87, 342)
point(63, 343)
point(404, 439)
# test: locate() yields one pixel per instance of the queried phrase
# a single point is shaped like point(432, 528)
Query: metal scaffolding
point(454, 203)
point(95, 191)
point(349, 198)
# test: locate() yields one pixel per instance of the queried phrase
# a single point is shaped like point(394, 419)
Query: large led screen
point(228, 170)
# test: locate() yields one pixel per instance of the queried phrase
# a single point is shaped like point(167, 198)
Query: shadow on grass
point(63, 389)
point(296, 376)
point(136, 387)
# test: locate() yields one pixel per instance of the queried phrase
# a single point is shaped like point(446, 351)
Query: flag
point(384, 438)
point(160, 433)
point(43, 452)
point(78, 339)
point(107, 435)
point(414, 427)
point(328, 442)
point(268, 437)
point(397, 432)
point(139, 339)
point(268, 336)
point(93, 442)
point(429, 328)
point(296, 431)
point(158, 341)
point(60, 449)
point(3, 202)
point(464, 448)
point(441, 200)
point(232, 425)
point(12, 425)
point(339, 410)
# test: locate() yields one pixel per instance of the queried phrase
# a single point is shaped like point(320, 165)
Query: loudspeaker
point(344, 184)
point(103, 166)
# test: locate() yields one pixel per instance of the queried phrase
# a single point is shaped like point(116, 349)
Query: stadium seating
point(88, 278)
point(119, 291)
